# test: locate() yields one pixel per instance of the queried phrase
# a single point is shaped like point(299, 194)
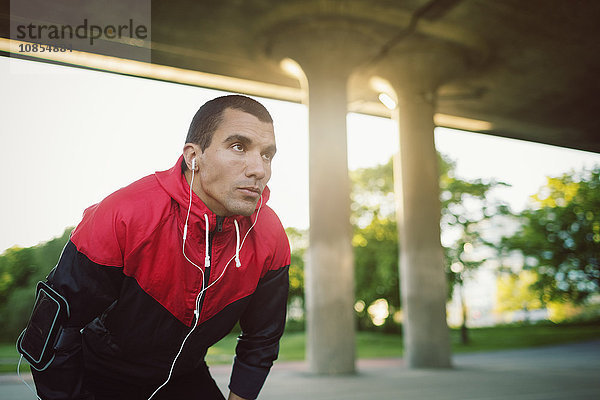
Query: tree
point(559, 237)
point(20, 271)
point(514, 293)
point(466, 208)
point(377, 277)
point(467, 212)
point(375, 243)
point(16, 266)
point(298, 243)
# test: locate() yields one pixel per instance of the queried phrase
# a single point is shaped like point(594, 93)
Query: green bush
point(20, 271)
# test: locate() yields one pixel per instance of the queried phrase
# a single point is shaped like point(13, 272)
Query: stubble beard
point(242, 206)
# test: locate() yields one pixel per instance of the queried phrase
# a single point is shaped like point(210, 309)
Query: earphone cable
point(204, 289)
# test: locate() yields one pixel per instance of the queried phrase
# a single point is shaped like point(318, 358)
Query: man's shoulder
point(269, 223)
point(136, 199)
point(135, 190)
point(272, 235)
point(119, 221)
point(138, 204)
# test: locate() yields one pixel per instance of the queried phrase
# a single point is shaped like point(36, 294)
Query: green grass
point(377, 345)
point(9, 359)
point(514, 337)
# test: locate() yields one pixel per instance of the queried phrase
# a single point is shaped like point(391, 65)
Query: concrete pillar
point(416, 73)
point(329, 278)
point(327, 55)
point(423, 281)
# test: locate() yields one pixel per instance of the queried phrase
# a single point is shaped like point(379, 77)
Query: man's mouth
point(252, 191)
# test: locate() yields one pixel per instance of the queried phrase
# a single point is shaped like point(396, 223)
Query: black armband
point(37, 343)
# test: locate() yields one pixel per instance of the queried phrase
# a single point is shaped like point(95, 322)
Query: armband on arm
point(38, 341)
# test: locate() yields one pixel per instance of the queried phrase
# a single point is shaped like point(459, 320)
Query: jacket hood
point(174, 183)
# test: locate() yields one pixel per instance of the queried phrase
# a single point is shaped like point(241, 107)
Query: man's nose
point(255, 166)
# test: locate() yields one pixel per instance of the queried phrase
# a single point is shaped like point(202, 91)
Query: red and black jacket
point(132, 293)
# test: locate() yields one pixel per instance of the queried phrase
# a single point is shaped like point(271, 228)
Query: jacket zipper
point(206, 278)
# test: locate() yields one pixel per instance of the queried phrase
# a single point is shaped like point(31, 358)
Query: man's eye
point(267, 157)
point(238, 147)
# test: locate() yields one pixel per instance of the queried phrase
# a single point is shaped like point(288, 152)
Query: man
point(164, 268)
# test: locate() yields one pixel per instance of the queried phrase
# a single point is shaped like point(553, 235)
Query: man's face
point(236, 167)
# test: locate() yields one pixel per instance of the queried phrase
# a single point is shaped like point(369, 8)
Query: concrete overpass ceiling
point(531, 67)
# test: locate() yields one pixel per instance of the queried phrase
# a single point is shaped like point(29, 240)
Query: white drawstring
point(237, 244)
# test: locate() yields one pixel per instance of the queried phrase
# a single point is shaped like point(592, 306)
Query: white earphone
point(193, 164)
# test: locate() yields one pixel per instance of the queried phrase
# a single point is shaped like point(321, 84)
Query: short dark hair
point(210, 115)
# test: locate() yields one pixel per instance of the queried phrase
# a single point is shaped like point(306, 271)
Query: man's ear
point(191, 151)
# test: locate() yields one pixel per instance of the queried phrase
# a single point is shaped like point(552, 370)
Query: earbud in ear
point(193, 164)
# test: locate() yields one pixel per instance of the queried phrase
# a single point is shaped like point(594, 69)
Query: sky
point(69, 137)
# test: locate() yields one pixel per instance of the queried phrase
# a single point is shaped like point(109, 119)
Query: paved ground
point(560, 372)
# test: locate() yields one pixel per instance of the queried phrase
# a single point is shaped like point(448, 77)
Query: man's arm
point(262, 325)
point(89, 289)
